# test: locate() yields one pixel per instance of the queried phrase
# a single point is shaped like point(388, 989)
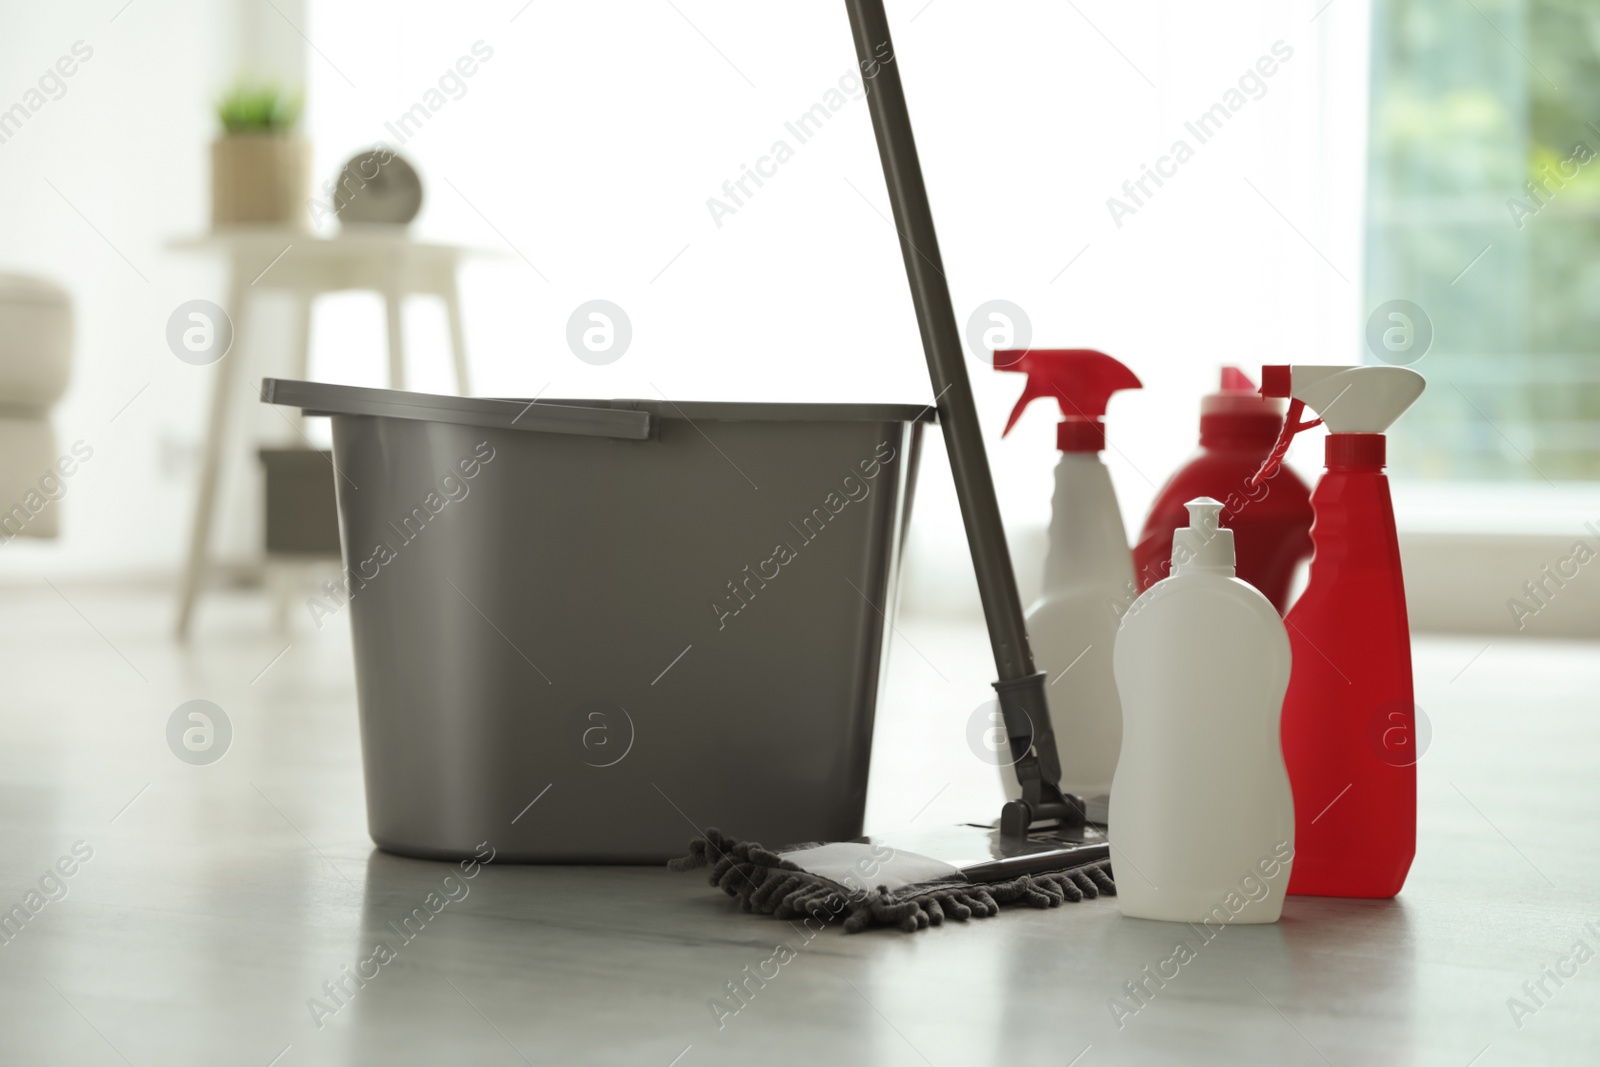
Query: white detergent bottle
point(1202, 818)
point(1088, 571)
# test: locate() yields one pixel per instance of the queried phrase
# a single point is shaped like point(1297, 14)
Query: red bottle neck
point(1355, 451)
point(1354, 525)
point(1081, 435)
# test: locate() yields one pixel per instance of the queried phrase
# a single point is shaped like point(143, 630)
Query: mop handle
point(941, 340)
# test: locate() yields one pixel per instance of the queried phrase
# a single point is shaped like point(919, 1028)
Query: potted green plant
point(260, 168)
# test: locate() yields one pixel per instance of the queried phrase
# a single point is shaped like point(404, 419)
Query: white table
point(378, 258)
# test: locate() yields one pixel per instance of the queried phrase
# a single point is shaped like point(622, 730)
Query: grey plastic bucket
point(586, 630)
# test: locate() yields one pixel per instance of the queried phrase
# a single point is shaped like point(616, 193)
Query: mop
point(1044, 850)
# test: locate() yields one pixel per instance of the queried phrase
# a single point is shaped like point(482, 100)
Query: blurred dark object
point(302, 514)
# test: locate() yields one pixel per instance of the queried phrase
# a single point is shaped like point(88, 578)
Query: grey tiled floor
point(219, 899)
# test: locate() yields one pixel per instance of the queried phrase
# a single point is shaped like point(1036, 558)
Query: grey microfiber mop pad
point(768, 883)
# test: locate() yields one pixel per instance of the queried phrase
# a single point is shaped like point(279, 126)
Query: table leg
point(282, 578)
point(300, 344)
point(458, 336)
point(394, 302)
point(226, 375)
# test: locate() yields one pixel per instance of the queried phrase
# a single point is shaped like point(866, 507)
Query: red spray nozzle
point(1080, 379)
point(1275, 380)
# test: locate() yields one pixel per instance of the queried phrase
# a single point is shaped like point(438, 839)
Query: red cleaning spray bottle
point(1349, 735)
point(1270, 518)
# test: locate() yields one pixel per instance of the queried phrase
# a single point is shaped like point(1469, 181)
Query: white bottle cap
point(1203, 546)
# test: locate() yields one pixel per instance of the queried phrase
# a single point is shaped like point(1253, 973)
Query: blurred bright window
point(1484, 210)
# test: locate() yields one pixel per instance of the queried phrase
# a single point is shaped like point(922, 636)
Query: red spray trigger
point(1080, 379)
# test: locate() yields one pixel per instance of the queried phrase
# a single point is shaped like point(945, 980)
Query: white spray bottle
point(1088, 571)
point(1202, 819)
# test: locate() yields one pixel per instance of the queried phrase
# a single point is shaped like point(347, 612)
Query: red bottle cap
point(1238, 395)
point(1237, 413)
point(1354, 451)
point(1081, 380)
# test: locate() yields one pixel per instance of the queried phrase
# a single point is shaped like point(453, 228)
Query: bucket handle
point(550, 416)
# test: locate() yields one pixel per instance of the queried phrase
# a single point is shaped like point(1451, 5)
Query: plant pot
point(260, 179)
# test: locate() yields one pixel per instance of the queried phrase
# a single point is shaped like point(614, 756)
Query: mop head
point(912, 892)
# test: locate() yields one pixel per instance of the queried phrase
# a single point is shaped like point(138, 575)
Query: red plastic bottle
point(1348, 719)
point(1270, 519)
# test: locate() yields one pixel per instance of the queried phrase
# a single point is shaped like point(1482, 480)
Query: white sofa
point(35, 367)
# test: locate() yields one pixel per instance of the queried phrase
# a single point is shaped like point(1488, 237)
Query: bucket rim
point(611, 418)
point(754, 410)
